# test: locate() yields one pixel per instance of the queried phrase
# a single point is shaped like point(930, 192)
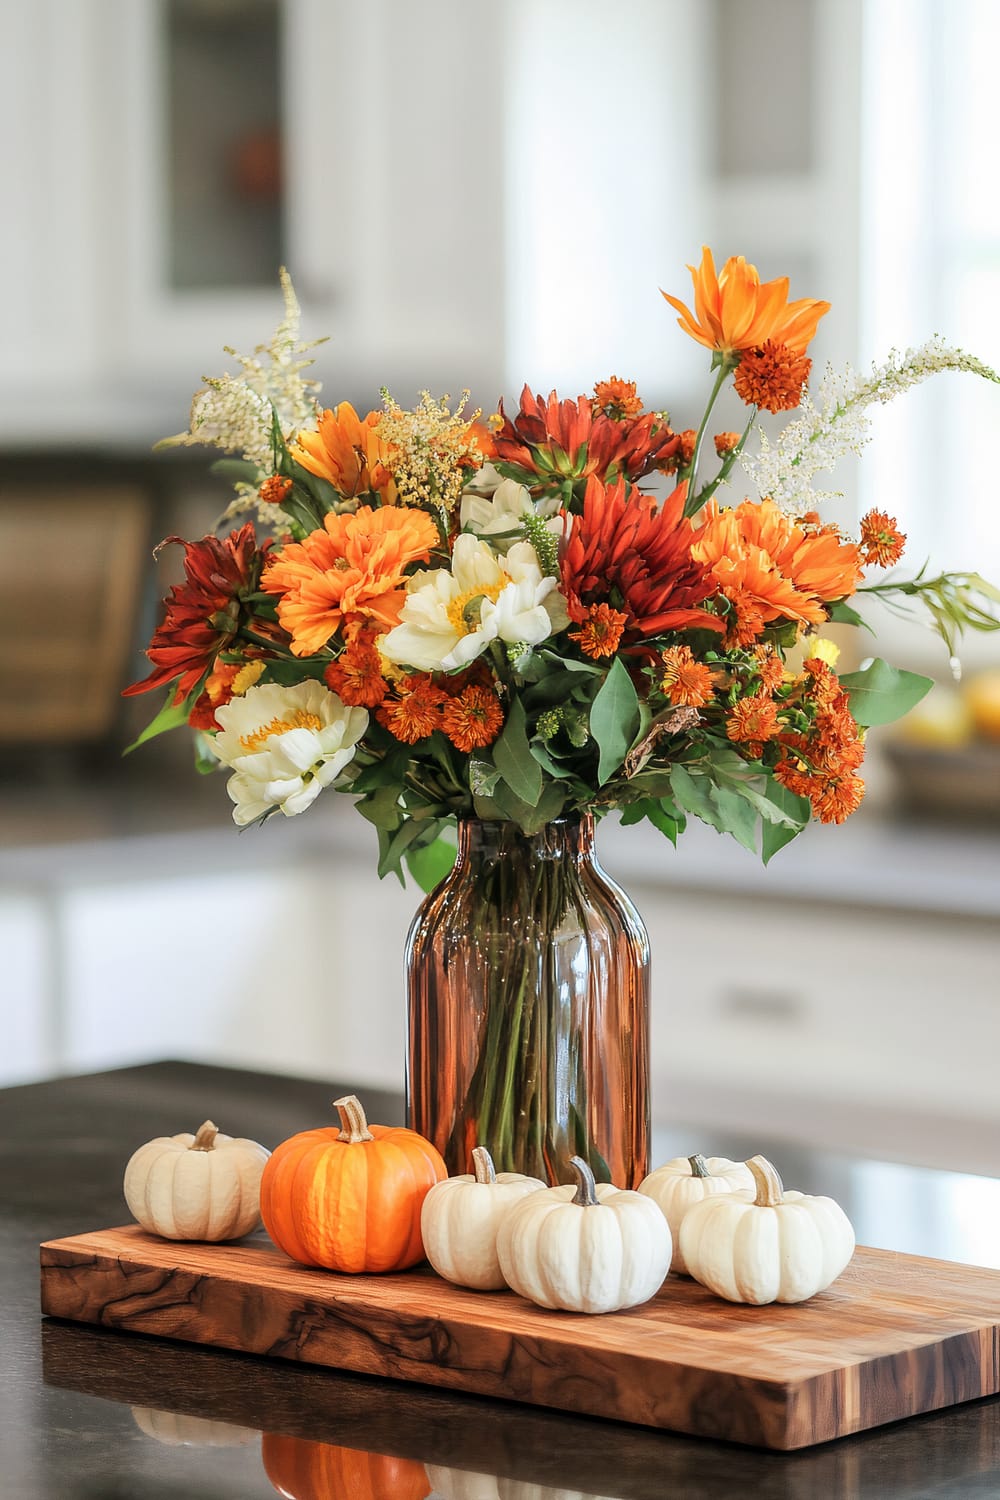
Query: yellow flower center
point(456, 609)
point(300, 719)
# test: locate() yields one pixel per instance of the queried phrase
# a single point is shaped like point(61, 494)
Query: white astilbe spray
point(836, 423)
point(234, 412)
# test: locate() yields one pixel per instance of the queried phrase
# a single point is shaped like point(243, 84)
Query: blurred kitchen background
point(477, 194)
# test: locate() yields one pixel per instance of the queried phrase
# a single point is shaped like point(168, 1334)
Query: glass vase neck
point(571, 836)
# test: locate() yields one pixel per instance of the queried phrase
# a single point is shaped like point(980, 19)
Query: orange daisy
point(725, 442)
point(685, 681)
point(274, 490)
point(734, 310)
point(473, 719)
point(770, 568)
point(347, 574)
point(882, 542)
point(348, 451)
point(771, 376)
point(600, 631)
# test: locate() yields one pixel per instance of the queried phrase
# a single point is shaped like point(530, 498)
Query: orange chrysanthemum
point(356, 675)
point(274, 490)
point(348, 452)
point(882, 542)
point(414, 711)
point(822, 763)
point(686, 682)
point(771, 376)
point(350, 573)
point(770, 668)
point(600, 631)
point(751, 722)
point(625, 547)
point(725, 442)
point(735, 310)
point(473, 719)
point(617, 398)
point(770, 568)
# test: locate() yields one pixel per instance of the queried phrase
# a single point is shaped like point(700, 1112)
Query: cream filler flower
point(285, 744)
point(450, 617)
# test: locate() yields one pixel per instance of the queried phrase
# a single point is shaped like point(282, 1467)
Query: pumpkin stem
point(699, 1166)
point(353, 1125)
point(205, 1139)
point(586, 1190)
point(482, 1161)
point(769, 1189)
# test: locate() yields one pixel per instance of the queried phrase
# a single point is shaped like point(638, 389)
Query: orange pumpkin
point(350, 1199)
point(302, 1470)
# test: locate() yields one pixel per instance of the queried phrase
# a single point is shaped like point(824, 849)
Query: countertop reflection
point(86, 1412)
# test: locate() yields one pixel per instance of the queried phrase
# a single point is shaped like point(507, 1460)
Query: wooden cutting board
point(894, 1336)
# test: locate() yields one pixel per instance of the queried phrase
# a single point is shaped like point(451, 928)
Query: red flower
point(624, 551)
point(557, 440)
point(203, 613)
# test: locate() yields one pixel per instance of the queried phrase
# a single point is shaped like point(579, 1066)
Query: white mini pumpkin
point(177, 1430)
point(686, 1180)
point(768, 1245)
point(196, 1187)
point(592, 1248)
point(460, 1218)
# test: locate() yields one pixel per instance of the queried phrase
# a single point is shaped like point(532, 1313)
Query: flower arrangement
point(446, 616)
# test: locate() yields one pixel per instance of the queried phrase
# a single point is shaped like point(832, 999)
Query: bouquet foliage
point(446, 616)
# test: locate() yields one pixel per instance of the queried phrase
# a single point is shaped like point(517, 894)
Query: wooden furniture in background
point(71, 568)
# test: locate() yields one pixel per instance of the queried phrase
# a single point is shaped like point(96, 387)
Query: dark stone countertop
point(88, 1414)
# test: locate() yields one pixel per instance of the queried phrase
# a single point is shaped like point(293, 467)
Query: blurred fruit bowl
point(945, 757)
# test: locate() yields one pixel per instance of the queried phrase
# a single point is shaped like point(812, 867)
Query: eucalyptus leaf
point(879, 693)
point(513, 758)
point(614, 720)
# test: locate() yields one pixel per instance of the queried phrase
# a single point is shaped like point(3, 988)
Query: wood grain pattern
point(896, 1335)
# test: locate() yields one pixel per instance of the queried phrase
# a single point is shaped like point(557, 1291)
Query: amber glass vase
point(528, 978)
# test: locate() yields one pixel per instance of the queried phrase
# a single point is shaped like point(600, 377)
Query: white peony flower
point(450, 617)
point(285, 744)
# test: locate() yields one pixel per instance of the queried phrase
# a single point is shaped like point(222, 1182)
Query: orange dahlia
point(348, 451)
point(770, 568)
point(623, 548)
point(205, 612)
point(350, 573)
point(734, 310)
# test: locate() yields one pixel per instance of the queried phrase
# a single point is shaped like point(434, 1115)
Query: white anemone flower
point(497, 515)
point(451, 616)
point(285, 744)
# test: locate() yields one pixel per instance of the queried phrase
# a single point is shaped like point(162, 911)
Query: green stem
point(691, 472)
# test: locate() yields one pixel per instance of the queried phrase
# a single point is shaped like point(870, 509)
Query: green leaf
point(513, 758)
point(171, 716)
point(736, 816)
point(880, 693)
point(430, 863)
point(239, 470)
point(662, 815)
point(775, 836)
point(483, 777)
point(205, 759)
point(381, 807)
point(393, 847)
point(529, 819)
point(842, 614)
point(614, 720)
